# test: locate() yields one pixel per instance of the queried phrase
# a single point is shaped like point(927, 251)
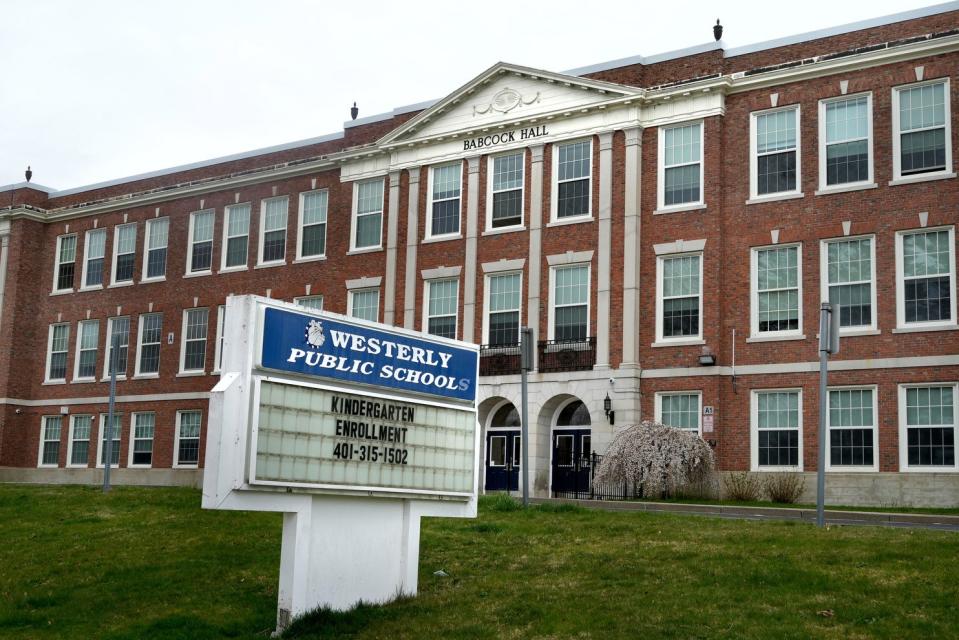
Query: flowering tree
point(657, 460)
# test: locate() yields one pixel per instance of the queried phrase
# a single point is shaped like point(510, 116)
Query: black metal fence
point(584, 487)
point(499, 360)
point(567, 355)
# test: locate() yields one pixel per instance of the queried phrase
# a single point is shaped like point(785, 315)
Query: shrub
point(742, 486)
point(657, 460)
point(784, 487)
point(499, 502)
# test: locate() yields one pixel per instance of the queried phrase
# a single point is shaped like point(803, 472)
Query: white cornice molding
point(504, 265)
point(679, 246)
point(364, 283)
point(441, 272)
point(570, 257)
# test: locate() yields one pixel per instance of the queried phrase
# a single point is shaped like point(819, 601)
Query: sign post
point(828, 343)
point(354, 431)
point(108, 430)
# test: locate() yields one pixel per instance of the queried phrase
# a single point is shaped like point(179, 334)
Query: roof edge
point(26, 185)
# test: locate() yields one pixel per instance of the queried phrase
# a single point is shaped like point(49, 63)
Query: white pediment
point(507, 94)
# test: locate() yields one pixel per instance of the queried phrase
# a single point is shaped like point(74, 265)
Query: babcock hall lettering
point(504, 138)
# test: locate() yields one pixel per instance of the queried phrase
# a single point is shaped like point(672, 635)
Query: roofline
point(26, 185)
point(398, 111)
point(638, 59)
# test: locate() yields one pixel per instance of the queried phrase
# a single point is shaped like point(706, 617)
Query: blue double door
point(503, 456)
point(572, 449)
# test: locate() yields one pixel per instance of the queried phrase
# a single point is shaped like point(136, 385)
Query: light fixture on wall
point(706, 358)
point(608, 408)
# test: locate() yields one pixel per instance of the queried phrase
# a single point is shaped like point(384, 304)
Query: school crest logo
point(314, 334)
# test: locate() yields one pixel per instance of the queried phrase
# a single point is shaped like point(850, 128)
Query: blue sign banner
point(321, 346)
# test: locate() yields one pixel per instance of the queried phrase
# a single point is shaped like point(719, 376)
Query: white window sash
point(43, 443)
point(427, 292)
point(87, 257)
point(73, 440)
point(486, 303)
point(117, 443)
point(140, 344)
point(431, 200)
point(117, 254)
point(754, 293)
point(553, 306)
point(660, 298)
point(176, 441)
point(192, 242)
point(218, 348)
point(754, 430)
point(661, 173)
point(79, 350)
point(875, 430)
point(897, 132)
point(50, 353)
point(901, 281)
point(144, 274)
point(824, 283)
point(824, 145)
point(263, 230)
point(108, 343)
point(754, 154)
point(184, 341)
point(491, 191)
point(660, 395)
point(354, 229)
point(904, 428)
point(57, 263)
point(555, 182)
point(134, 439)
point(224, 250)
point(301, 225)
point(352, 298)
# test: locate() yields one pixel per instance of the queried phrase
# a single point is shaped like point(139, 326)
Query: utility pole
point(108, 428)
point(526, 364)
point(828, 344)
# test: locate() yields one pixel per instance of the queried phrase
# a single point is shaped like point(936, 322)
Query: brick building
point(667, 224)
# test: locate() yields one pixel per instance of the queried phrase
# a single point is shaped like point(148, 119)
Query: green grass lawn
point(149, 563)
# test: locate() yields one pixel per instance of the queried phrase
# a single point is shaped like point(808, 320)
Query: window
point(310, 302)
point(141, 437)
point(311, 240)
point(922, 136)
point(441, 308)
point(679, 302)
point(777, 426)
point(848, 273)
point(925, 278)
point(570, 302)
point(367, 214)
point(777, 291)
point(79, 454)
point(50, 441)
point(118, 329)
point(573, 161)
point(845, 141)
point(193, 349)
point(774, 162)
point(57, 352)
point(148, 349)
point(124, 248)
point(273, 230)
point(187, 439)
point(679, 410)
point(444, 213)
point(88, 338)
point(114, 436)
point(93, 255)
point(365, 304)
point(218, 354)
point(157, 233)
point(852, 429)
point(66, 265)
point(506, 191)
point(927, 427)
point(680, 162)
point(236, 234)
point(503, 305)
point(200, 252)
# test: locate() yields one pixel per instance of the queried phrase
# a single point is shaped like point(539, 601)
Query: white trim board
point(147, 397)
point(804, 367)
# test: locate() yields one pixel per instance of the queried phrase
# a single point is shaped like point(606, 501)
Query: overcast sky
point(97, 90)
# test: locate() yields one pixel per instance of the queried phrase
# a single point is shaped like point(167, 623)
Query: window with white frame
point(845, 141)
point(444, 212)
point(157, 238)
point(311, 239)
point(113, 434)
point(927, 427)
point(88, 338)
point(573, 171)
point(218, 350)
point(506, 190)
point(124, 252)
point(503, 308)
point(66, 263)
point(50, 441)
point(570, 302)
point(775, 161)
point(680, 301)
point(310, 302)
point(851, 421)
point(680, 165)
point(367, 214)
point(679, 409)
point(200, 247)
point(187, 438)
point(365, 304)
point(273, 230)
point(236, 236)
point(777, 429)
point(776, 308)
point(57, 346)
point(848, 269)
point(141, 439)
point(148, 347)
point(922, 129)
point(193, 348)
point(926, 277)
point(118, 331)
point(441, 306)
point(94, 252)
point(80, 428)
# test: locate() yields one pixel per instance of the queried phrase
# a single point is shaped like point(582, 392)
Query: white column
point(472, 224)
point(605, 244)
point(631, 237)
point(412, 240)
point(535, 244)
point(4, 250)
point(392, 226)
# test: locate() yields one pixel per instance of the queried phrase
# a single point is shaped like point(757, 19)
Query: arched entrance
point(571, 450)
point(503, 448)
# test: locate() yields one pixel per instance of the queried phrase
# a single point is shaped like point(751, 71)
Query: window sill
point(139, 466)
point(51, 383)
point(922, 177)
point(678, 343)
point(825, 191)
point(190, 374)
point(119, 378)
point(62, 292)
point(940, 327)
point(146, 376)
point(269, 265)
point(693, 206)
point(83, 380)
point(149, 280)
point(48, 466)
point(197, 274)
point(96, 287)
point(186, 466)
point(850, 469)
point(510, 229)
point(77, 466)
point(559, 222)
point(852, 333)
point(776, 469)
point(774, 338)
point(117, 285)
point(929, 469)
point(233, 269)
point(432, 239)
point(356, 252)
point(309, 259)
point(776, 197)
